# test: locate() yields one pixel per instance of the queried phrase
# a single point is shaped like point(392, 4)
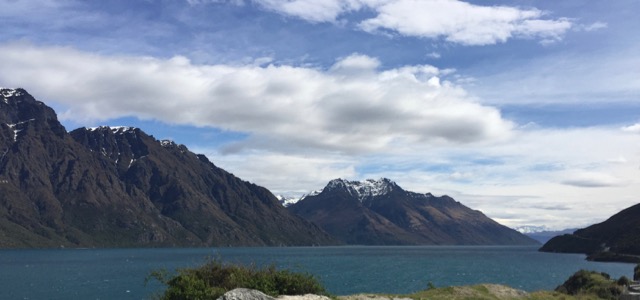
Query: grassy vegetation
point(490, 292)
point(214, 278)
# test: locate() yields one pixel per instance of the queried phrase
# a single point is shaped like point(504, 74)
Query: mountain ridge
point(615, 239)
point(381, 212)
point(120, 187)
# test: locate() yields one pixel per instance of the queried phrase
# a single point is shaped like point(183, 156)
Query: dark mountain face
point(122, 187)
point(620, 234)
point(381, 212)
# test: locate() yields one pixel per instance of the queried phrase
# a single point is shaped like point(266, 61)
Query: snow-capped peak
point(290, 200)
point(167, 143)
point(364, 189)
point(531, 229)
point(114, 129)
point(6, 93)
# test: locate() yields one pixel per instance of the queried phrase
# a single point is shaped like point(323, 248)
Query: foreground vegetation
point(213, 279)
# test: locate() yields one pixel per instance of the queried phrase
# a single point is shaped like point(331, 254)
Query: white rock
point(245, 294)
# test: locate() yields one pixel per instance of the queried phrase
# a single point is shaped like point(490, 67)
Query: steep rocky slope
point(121, 187)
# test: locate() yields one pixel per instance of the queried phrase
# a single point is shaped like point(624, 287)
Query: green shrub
point(591, 283)
point(214, 278)
point(623, 281)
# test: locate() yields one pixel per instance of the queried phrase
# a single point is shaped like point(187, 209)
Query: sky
point(526, 110)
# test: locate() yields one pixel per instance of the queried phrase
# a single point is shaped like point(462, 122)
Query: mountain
point(545, 236)
point(541, 233)
point(379, 212)
point(286, 201)
point(617, 238)
point(115, 187)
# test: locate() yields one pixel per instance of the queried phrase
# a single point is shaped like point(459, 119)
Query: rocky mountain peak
point(8, 94)
point(20, 112)
point(379, 212)
point(363, 189)
point(113, 129)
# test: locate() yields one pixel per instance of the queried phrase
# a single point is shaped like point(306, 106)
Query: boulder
point(245, 294)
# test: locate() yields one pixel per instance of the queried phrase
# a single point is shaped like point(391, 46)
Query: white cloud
point(455, 21)
point(462, 22)
point(312, 10)
point(594, 26)
point(632, 129)
point(434, 54)
point(353, 106)
point(591, 180)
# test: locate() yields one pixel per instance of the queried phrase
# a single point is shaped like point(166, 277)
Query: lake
point(120, 273)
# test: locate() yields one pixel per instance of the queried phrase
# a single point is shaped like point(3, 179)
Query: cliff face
point(620, 234)
point(108, 187)
point(382, 213)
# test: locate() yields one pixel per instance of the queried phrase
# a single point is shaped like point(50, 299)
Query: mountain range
point(117, 187)
point(616, 239)
point(379, 212)
point(541, 233)
point(120, 187)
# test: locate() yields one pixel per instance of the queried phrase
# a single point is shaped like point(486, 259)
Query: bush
point(591, 283)
point(623, 281)
point(214, 278)
point(636, 273)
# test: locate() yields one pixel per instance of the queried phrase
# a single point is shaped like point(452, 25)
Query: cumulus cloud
point(455, 21)
point(352, 106)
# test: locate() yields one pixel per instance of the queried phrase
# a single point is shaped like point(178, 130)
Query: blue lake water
point(120, 273)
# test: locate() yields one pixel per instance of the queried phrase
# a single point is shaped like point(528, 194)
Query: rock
point(245, 294)
point(249, 294)
point(304, 297)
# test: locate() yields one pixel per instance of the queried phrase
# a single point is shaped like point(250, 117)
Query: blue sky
point(526, 110)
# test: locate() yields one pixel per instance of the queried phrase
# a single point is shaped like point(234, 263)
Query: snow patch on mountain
point(8, 93)
point(167, 143)
point(114, 129)
point(531, 229)
point(18, 127)
point(364, 189)
point(286, 201)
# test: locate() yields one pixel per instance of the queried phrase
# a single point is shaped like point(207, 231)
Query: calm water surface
point(120, 273)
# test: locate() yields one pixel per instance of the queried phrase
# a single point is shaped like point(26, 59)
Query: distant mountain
point(530, 229)
point(118, 186)
point(379, 212)
point(617, 238)
point(541, 233)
